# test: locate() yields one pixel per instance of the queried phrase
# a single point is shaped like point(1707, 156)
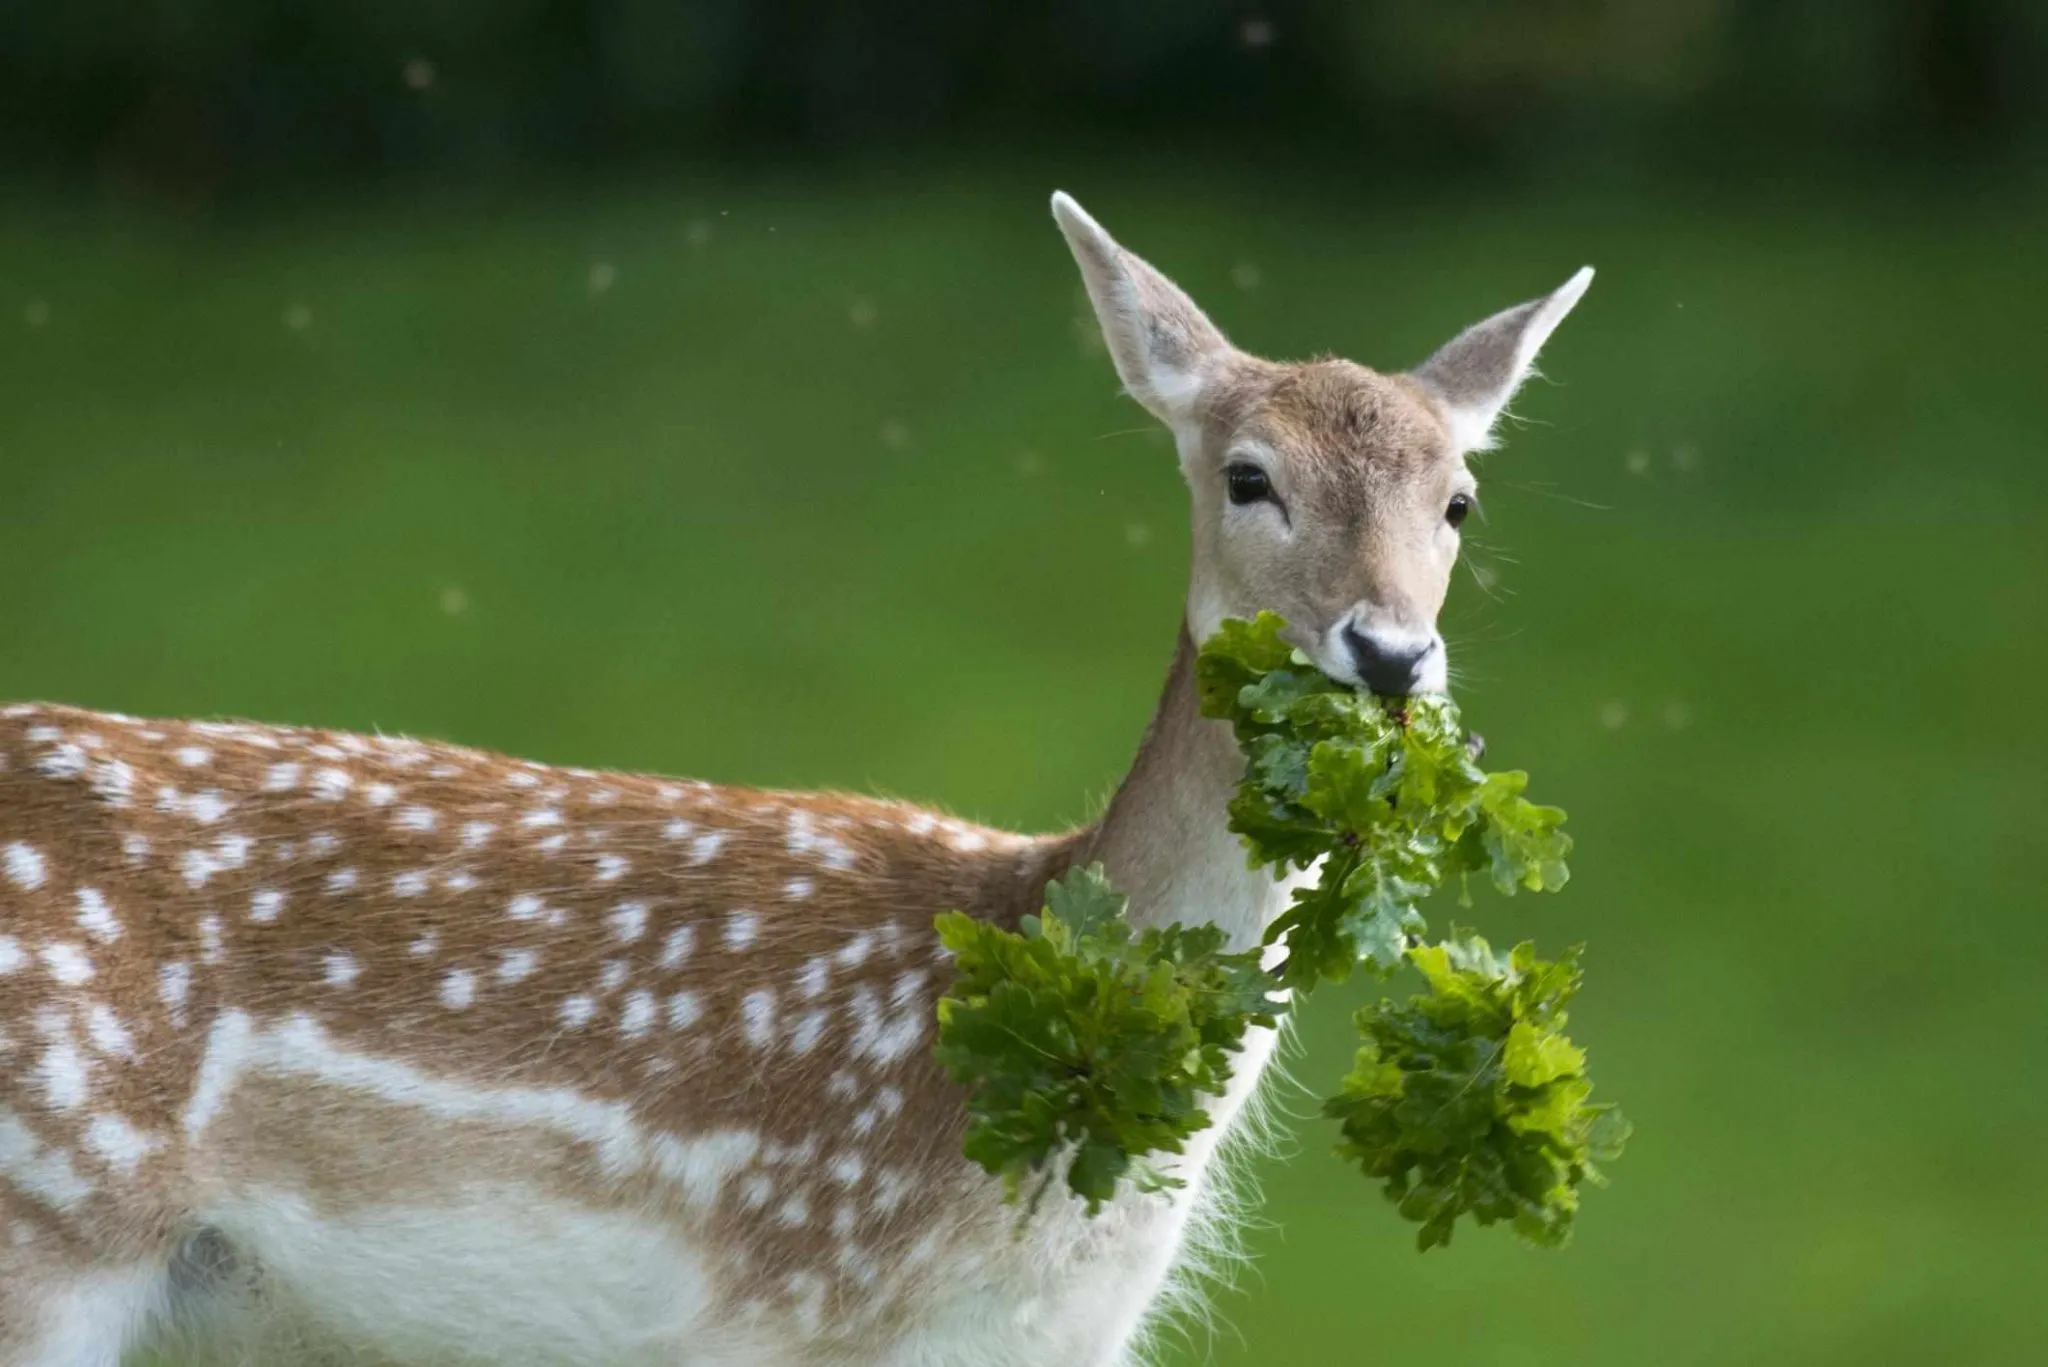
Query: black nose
point(1390, 672)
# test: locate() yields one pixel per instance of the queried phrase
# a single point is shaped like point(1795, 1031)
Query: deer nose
point(1385, 667)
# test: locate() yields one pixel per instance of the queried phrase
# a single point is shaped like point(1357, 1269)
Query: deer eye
point(1459, 509)
point(1247, 483)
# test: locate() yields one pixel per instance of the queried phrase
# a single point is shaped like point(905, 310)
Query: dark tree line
point(210, 97)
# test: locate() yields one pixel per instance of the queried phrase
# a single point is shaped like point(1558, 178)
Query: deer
point(321, 1046)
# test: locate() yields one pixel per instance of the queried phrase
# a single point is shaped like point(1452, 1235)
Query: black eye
point(1460, 509)
point(1248, 483)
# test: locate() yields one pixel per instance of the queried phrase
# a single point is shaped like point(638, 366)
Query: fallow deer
point(323, 1046)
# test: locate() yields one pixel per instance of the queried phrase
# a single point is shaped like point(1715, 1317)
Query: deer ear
point(1164, 347)
point(1479, 370)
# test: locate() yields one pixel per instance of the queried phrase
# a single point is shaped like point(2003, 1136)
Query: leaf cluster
point(1077, 1037)
point(1081, 1041)
point(1386, 794)
point(1469, 1098)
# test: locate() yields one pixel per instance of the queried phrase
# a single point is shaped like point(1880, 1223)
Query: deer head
point(1324, 491)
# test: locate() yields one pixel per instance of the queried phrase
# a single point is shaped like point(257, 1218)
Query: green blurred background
point(704, 388)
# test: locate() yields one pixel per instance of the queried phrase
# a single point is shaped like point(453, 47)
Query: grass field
point(810, 484)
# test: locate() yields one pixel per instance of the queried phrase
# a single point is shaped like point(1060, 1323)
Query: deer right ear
point(1164, 347)
point(1479, 370)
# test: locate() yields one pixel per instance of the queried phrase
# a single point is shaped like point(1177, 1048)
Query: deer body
point(314, 1044)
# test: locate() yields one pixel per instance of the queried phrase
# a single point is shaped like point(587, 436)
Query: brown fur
point(858, 1146)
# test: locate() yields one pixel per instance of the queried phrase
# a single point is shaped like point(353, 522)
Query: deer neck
point(1164, 840)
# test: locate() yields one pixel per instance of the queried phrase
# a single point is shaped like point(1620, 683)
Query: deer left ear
point(1164, 347)
point(1479, 370)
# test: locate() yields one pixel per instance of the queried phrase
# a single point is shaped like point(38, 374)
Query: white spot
point(231, 851)
point(796, 889)
point(805, 839)
point(612, 867)
point(705, 847)
point(173, 987)
point(921, 824)
point(677, 946)
point(969, 841)
point(331, 785)
point(341, 880)
point(475, 833)
point(323, 842)
point(803, 1037)
point(135, 846)
point(757, 1010)
point(878, 1036)
point(266, 904)
point(209, 940)
point(412, 883)
point(380, 794)
point(462, 880)
point(525, 907)
point(740, 928)
point(227, 1053)
point(119, 1143)
point(107, 1033)
point(66, 761)
point(865, 1121)
point(517, 965)
point(25, 866)
point(847, 1169)
point(628, 921)
point(425, 946)
point(45, 1174)
point(684, 1010)
point(458, 989)
point(541, 816)
point(756, 1191)
point(198, 866)
point(68, 963)
point(614, 976)
point(856, 951)
point(96, 918)
point(907, 986)
point(64, 1073)
point(114, 781)
point(552, 844)
point(577, 1011)
point(890, 1189)
point(795, 1211)
point(340, 970)
point(11, 956)
point(842, 1085)
point(416, 819)
point(890, 1100)
point(194, 756)
point(811, 980)
point(519, 778)
point(636, 1016)
point(678, 829)
point(807, 1290)
point(282, 778)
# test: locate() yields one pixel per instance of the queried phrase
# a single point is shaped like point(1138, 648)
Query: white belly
point(524, 1276)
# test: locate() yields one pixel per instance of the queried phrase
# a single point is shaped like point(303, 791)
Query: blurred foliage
point(192, 100)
